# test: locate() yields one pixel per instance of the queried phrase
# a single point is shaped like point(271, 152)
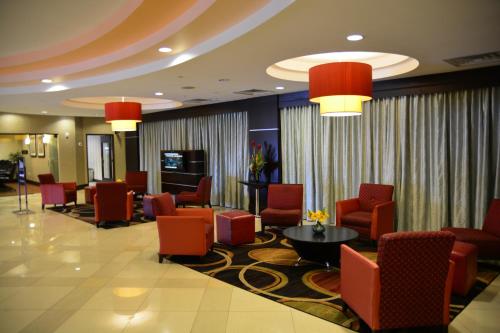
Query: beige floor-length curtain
point(224, 138)
point(440, 151)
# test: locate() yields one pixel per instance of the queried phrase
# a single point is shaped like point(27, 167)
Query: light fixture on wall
point(27, 139)
point(46, 138)
point(340, 87)
point(123, 116)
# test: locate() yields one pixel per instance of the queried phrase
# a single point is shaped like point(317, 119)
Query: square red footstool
point(235, 227)
point(147, 206)
point(464, 255)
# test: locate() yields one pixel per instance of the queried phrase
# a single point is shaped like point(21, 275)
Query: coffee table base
point(327, 254)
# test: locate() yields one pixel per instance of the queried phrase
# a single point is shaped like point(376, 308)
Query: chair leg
point(43, 206)
point(210, 205)
point(160, 258)
point(202, 206)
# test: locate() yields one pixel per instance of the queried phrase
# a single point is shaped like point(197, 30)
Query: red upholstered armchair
point(137, 181)
point(487, 240)
point(284, 205)
point(56, 193)
point(182, 231)
point(113, 202)
point(409, 285)
point(200, 197)
point(372, 214)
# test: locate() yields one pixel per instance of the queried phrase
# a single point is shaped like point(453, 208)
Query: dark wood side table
point(257, 186)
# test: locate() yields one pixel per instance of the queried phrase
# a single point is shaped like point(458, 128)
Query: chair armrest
point(206, 213)
point(360, 285)
point(382, 219)
point(130, 205)
point(345, 207)
point(69, 186)
point(52, 193)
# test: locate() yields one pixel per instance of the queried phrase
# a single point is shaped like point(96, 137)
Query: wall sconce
point(66, 135)
point(46, 138)
point(27, 140)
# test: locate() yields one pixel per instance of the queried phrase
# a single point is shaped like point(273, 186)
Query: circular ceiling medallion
point(97, 103)
point(383, 64)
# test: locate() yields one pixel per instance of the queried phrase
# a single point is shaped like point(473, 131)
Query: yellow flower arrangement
point(318, 215)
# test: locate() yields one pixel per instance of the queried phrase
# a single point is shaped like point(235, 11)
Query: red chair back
point(204, 189)
point(374, 194)
point(285, 196)
point(492, 220)
point(163, 205)
point(413, 272)
point(137, 180)
point(112, 198)
point(46, 178)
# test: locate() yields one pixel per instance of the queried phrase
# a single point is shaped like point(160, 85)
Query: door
point(100, 161)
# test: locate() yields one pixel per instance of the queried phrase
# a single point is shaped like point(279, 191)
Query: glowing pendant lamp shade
point(123, 116)
point(340, 87)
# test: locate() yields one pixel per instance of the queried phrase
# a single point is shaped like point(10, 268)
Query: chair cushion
point(488, 245)
point(273, 216)
point(185, 197)
point(359, 218)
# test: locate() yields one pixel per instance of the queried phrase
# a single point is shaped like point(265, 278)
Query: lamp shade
point(340, 87)
point(123, 116)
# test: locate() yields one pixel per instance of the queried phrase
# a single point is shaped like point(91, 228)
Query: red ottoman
point(235, 227)
point(465, 257)
point(147, 206)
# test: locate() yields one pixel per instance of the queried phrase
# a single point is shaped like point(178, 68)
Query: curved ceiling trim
point(250, 22)
point(76, 42)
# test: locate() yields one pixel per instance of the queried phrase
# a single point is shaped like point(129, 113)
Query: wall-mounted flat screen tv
point(173, 161)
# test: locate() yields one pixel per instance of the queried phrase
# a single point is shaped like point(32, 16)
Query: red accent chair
point(487, 240)
point(371, 214)
point(200, 197)
point(56, 193)
point(137, 181)
point(182, 231)
point(113, 202)
point(409, 285)
point(284, 205)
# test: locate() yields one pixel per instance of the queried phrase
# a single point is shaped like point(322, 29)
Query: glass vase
point(318, 228)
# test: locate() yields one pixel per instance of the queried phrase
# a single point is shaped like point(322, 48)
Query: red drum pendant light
point(340, 87)
point(123, 116)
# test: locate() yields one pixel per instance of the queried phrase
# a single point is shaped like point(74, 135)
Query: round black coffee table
point(323, 248)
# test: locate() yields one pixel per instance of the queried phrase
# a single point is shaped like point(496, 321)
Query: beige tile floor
point(61, 275)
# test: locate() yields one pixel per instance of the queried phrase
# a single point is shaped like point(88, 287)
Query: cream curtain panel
point(440, 151)
point(224, 138)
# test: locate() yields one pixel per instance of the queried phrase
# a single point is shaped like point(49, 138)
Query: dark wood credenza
point(174, 181)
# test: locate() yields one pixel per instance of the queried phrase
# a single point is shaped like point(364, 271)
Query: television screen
point(173, 161)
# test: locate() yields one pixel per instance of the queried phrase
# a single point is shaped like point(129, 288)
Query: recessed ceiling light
point(44, 112)
point(57, 87)
point(46, 81)
point(279, 88)
point(77, 268)
point(355, 37)
point(158, 93)
point(32, 225)
point(165, 49)
point(187, 87)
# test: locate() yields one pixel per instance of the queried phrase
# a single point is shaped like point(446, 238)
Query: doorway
point(100, 157)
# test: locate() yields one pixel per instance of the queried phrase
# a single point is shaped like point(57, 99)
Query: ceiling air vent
point(197, 101)
point(253, 92)
point(477, 59)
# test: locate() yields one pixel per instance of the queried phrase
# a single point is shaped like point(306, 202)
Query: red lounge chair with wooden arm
point(56, 193)
point(200, 197)
point(182, 231)
point(371, 214)
point(113, 202)
point(137, 181)
point(284, 205)
point(409, 285)
point(486, 240)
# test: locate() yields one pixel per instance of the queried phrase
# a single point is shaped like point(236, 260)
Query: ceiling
point(95, 48)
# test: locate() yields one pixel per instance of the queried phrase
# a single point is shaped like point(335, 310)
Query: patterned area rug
point(85, 213)
point(267, 268)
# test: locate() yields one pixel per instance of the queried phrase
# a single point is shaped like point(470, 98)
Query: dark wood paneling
point(132, 151)
point(188, 179)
